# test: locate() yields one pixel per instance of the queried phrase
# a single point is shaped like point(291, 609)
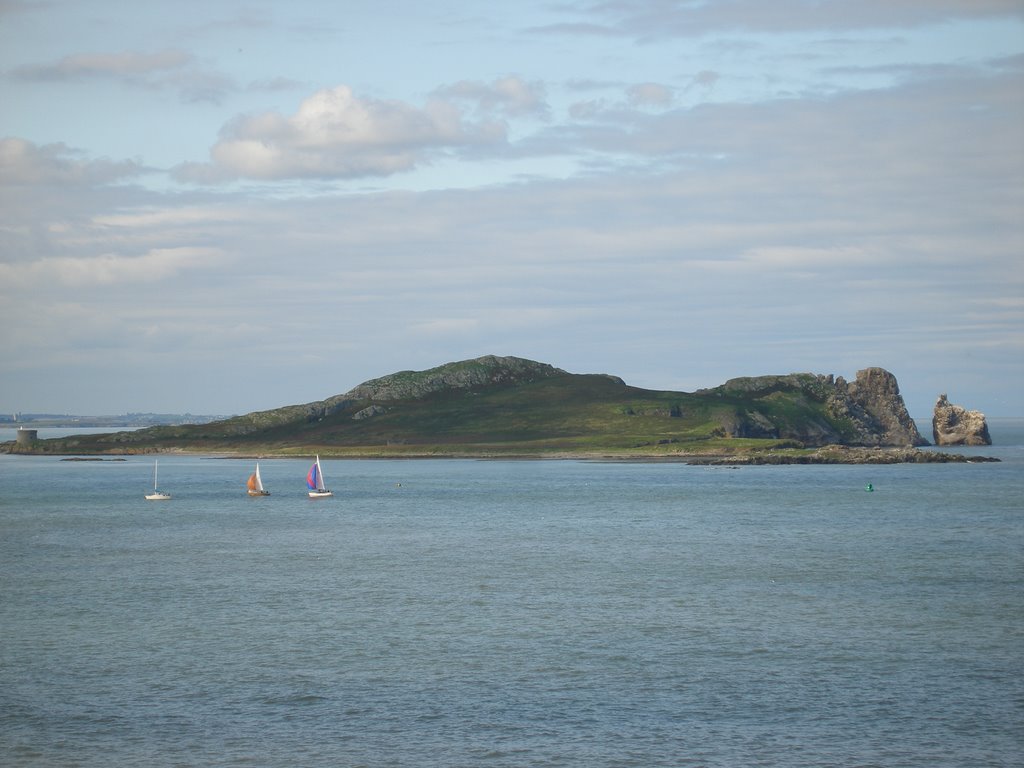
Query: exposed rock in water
point(955, 425)
point(841, 454)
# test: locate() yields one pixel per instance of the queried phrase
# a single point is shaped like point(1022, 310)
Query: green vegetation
point(509, 407)
point(549, 414)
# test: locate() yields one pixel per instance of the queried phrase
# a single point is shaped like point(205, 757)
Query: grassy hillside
point(505, 407)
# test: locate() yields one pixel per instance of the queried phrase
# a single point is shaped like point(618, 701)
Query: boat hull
point(158, 496)
point(320, 494)
point(259, 493)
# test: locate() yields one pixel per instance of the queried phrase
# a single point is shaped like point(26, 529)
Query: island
point(511, 407)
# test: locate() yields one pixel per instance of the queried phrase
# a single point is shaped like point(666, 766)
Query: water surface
point(489, 613)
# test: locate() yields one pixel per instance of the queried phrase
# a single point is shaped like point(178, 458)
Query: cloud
point(184, 216)
point(444, 326)
point(116, 65)
point(198, 86)
point(274, 85)
point(896, 134)
point(108, 269)
point(722, 239)
point(508, 96)
point(10, 7)
point(812, 260)
point(706, 78)
point(25, 163)
point(164, 70)
point(636, 99)
point(649, 95)
point(656, 19)
point(336, 134)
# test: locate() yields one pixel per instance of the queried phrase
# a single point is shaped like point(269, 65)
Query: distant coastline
point(124, 420)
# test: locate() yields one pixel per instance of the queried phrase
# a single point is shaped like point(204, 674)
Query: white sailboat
point(315, 481)
point(156, 495)
point(255, 484)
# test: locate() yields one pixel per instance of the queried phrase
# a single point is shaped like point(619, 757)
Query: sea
point(513, 614)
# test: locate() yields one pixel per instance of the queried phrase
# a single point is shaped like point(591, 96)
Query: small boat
point(157, 495)
point(255, 484)
point(315, 481)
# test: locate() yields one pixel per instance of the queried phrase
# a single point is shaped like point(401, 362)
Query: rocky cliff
point(873, 400)
point(866, 412)
point(814, 410)
point(955, 425)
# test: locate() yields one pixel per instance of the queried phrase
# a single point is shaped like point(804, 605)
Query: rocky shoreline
point(829, 454)
point(839, 454)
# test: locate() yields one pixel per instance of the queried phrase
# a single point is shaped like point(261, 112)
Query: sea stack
point(955, 425)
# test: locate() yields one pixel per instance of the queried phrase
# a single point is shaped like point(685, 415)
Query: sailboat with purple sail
point(315, 481)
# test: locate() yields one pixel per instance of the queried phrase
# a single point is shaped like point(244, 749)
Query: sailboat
point(156, 495)
point(315, 481)
point(255, 483)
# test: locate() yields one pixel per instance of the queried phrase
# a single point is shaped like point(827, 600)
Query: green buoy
point(869, 488)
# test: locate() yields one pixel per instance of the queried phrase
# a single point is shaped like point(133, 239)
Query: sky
point(226, 206)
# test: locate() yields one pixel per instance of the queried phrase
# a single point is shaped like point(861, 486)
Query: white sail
point(319, 476)
point(156, 495)
point(315, 481)
point(255, 483)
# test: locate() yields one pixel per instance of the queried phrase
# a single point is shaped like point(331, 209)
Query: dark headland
point(509, 407)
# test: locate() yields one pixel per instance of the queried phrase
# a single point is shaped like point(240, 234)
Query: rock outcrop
point(866, 412)
point(841, 454)
point(483, 371)
point(955, 425)
point(873, 400)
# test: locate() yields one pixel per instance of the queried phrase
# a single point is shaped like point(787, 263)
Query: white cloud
point(153, 266)
point(508, 96)
point(821, 146)
point(653, 19)
point(187, 216)
point(336, 134)
point(105, 65)
point(827, 230)
point(25, 163)
point(809, 258)
point(163, 70)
